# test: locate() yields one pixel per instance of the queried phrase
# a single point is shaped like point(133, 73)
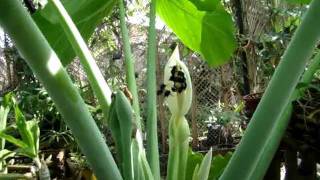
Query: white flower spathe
point(179, 103)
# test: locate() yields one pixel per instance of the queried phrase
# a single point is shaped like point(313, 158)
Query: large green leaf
point(194, 159)
point(204, 26)
point(219, 163)
point(33, 127)
point(85, 13)
point(13, 140)
point(4, 154)
point(28, 130)
point(22, 126)
point(204, 168)
point(125, 115)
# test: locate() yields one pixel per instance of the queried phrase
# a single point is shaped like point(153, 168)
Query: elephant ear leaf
point(86, 14)
point(202, 25)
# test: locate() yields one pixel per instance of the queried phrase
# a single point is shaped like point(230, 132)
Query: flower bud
point(177, 80)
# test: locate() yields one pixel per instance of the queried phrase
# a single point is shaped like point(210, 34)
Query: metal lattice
point(211, 86)
point(214, 92)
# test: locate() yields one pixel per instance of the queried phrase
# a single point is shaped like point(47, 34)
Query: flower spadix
point(177, 80)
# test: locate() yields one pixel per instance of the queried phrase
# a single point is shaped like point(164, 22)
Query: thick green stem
point(46, 65)
point(129, 62)
point(179, 134)
point(173, 157)
point(305, 79)
point(152, 134)
point(266, 127)
point(96, 79)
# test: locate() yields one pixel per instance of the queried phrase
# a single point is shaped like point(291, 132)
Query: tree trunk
point(237, 8)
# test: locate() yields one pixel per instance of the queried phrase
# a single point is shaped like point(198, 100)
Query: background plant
point(136, 143)
point(28, 143)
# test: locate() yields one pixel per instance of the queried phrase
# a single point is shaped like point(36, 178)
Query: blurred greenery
point(218, 163)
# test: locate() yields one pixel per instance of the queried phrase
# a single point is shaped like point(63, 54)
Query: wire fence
point(214, 92)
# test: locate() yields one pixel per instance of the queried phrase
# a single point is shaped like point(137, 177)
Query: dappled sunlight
point(54, 65)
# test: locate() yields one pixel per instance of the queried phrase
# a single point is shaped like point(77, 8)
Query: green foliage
point(203, 26)
point(5, 107)
point(223, 116)
point(266, 133)
point(35, 102)
point(218, 164)
point(299, 1)
point(272, 44)
point(16, 21)
point(4, 154)
point(86, 15)
point(194, 159)
point(202, 172)
point(120, 122)
point(207, 5)
point(141, 167)
point(29, 132)
point(95, 77)
point(130, 152)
